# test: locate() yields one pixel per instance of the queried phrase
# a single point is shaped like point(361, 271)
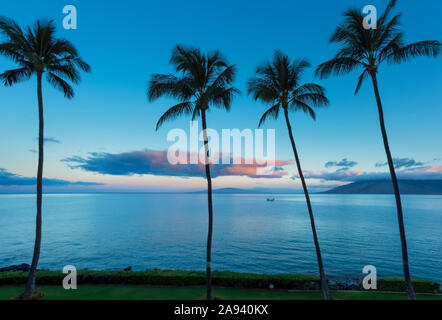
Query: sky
point(105, 140)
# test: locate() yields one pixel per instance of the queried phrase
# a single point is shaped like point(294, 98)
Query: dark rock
point(313, 286)
point(127, 269)
point(348, 286)
point(355, 287)
point(20, 267)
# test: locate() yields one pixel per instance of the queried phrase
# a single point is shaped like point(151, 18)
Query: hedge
point(193, 278)
point(398, 285)
point(168, 277)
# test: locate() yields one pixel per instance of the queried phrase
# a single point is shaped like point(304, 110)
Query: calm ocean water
point(146, 231)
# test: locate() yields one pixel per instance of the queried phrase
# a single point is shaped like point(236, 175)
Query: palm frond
point(337, 66)
point(225, 77)
point(71, 60)
point(369, 48)
point(196, 113)
point(169, 85)
point(42, 36)
point(308, 88)
point(205, 81)
point(301, 105)
point(277, 82)
point(60, 84)
point(222, 97)
point(8, 25)
point(11, 50)
point(13, 76)
point(390, 48)
point(174, 112)
point(426, 48)
point(37, 50)
point(12, 30)
point(215, 61)
point(316, 99)
point(65, 70)
point(342, 34)
point(63, 47)
point(361, 79)
point(272, 112)
point(262, 89)
point(391, 4)
point(387, 31)
point(189, 61)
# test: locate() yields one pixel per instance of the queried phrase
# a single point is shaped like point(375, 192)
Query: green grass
point(177, 278)
point(128, 292)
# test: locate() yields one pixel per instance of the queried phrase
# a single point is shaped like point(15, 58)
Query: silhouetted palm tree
point(38, 52)
point(205, 81)
point(278, 84)
point(368, 48)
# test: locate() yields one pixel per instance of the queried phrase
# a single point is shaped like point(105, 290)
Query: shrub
point(398, 285)
point(167, 277)
point(195, 278)
point(254, 280)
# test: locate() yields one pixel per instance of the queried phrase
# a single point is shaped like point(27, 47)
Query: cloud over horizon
point(400, 163)
point(343, 163)
point(155, 162)
point(430, 172)
point(11, 179)
point(50, 139)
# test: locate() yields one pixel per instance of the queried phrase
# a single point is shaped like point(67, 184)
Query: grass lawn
point(115, 292)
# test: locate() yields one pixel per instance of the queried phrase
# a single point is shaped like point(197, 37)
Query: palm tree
point(205, 81)
point(277, 83)
point(368, 49)
point(37, 51)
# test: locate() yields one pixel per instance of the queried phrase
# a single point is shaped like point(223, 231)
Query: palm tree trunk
point(324, 285)
point(410, 290)
point(209, 198)
point(30, 285)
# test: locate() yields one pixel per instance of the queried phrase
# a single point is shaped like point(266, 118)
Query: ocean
point(169, 231)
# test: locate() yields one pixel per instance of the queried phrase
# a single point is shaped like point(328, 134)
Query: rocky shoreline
point(349, 285)
point(16, 267)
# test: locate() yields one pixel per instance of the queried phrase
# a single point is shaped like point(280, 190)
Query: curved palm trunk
point(410, 290)
point(324, 285)
point(209, 200)
point(30, 285)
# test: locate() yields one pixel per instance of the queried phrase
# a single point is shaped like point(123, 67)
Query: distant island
point(429, 187)
point(251, 191)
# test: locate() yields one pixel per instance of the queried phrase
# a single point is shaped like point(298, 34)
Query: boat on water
point(270, 199)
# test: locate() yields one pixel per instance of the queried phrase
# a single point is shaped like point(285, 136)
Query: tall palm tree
point(204, 81)
point(277, 83)
point(37, 51)
point(368, 49)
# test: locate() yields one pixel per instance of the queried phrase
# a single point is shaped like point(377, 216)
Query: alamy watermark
point(70, 281)
point(370, 280)
point(225, 148)
point(370, 20)
point(70, 20)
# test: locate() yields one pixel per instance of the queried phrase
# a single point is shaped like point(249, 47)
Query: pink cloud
point(156, 163)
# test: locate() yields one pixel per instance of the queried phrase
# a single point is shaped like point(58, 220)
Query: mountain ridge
point(427, 187)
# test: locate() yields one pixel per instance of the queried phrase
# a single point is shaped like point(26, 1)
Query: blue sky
point(126, 42)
